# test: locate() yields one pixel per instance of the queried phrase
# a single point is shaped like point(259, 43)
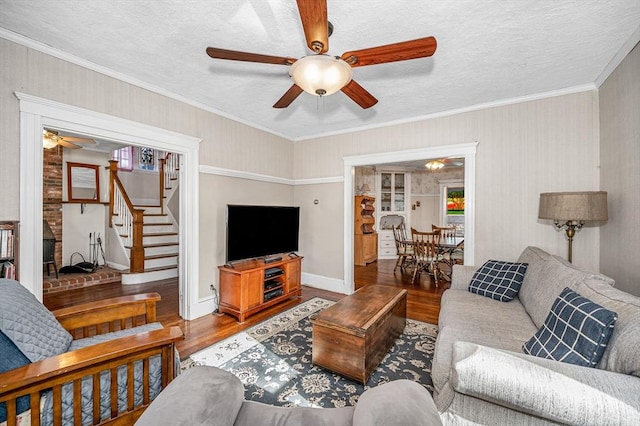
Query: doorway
point(37, 113)
point(466, 151)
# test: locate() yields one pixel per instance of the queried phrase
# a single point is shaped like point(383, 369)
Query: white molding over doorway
point(36, 113)
point(465, 150)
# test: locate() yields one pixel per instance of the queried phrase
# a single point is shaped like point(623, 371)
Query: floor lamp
point(570, 210)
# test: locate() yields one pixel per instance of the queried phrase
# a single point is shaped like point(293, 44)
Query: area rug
point(273, 361)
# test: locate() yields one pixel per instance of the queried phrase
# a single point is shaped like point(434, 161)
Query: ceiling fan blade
point(68, 144)
point(286, 99)
point(359, 95)
point(77, 140)
point(313, 14)
point(235, 55)
point(412, 49)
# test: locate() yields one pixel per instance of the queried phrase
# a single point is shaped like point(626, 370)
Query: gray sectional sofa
point(481, 375)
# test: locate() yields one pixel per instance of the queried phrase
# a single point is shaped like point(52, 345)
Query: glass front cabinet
point(394, 195)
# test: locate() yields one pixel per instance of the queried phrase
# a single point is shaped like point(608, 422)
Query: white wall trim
point(32, 44)
point(204, 306)
point(320, 180)
point(36, 113)
point(325, 283)
point(219, 171)
point(465, 150)
point(48, 50)
point(618, 58)
point(470, 108)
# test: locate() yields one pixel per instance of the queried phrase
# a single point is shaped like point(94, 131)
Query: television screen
point(260, 231)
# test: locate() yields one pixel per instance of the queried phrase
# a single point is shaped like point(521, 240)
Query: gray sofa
point(214, 397)
point(481, 375)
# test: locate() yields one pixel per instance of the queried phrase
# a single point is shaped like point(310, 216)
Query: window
point(124, 157)
point(455, 201)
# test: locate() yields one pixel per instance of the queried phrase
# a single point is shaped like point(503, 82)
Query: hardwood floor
point(423, 303)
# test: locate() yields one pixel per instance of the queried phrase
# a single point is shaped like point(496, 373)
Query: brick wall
point(52, 195)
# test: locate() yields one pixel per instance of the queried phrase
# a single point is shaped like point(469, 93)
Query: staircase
point(149, 234)
point(160, 243)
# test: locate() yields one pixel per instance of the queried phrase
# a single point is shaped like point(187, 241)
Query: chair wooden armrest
point(53, 372)
point(108, 315)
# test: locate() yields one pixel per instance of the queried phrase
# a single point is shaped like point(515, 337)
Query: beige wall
point(620, 152)
point(215, 193)
point(523, 149)
point(225, 143)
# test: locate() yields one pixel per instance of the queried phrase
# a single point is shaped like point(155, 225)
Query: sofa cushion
point(498, 280)
point(447, 336)
point(399, 402)
point(546, 277)
point(576, 331)
point(623, 351)
point(194, 397)
point(11, 358)
point(30, 325)
point(461, 309)
point(256, 413)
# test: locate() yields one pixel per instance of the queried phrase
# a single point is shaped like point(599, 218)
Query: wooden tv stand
point(244, 289)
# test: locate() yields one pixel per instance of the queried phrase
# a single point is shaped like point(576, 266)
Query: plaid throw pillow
point(498, 280)
point(576, 331)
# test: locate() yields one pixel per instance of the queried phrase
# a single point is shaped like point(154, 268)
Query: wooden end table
point(354, 335)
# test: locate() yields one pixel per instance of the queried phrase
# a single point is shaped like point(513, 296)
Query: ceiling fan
point(321, 74)
point(51, 139)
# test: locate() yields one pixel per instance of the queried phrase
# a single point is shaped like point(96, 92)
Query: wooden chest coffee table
point(352, 337)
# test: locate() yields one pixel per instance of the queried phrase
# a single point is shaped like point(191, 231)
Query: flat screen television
point(261, 231)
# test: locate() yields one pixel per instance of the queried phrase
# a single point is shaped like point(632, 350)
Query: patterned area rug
point(273, 361)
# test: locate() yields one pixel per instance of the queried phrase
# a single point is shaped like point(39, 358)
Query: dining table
point(447, 245)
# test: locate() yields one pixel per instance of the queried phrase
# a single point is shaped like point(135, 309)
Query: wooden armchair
point(84, 367)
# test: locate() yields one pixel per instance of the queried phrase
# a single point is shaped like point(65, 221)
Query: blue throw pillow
point(10, 358)
point(576, 331)
point(498, 280)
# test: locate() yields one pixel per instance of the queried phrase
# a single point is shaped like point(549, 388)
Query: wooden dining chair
point(404, 248)
point(427, 254)
point(445, 231)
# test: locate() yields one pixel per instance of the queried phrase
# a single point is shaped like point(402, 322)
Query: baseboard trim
point(204, 306)
point(325, 283)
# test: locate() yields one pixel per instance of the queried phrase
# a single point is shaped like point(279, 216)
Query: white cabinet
point(394, 196)
point(386, 245)
point(393, 192)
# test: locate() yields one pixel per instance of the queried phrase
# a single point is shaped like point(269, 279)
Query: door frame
point(464, 150)
point(37, 113)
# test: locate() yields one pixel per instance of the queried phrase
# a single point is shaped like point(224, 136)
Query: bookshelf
point(9, 249)
point(365, 235)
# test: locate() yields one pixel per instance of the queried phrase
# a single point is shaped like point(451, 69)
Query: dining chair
point(445, 231)
point(404, 248)
point(427, 255)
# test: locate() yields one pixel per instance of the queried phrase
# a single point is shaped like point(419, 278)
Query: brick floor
point(102, 275)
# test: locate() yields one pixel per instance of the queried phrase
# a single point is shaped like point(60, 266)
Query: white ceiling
point(489, 52)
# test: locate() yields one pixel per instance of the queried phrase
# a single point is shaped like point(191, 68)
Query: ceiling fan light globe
point(321, 75)
point(48, 143)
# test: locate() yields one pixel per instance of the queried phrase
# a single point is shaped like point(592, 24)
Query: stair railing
point(130, 219)
point(169, 167)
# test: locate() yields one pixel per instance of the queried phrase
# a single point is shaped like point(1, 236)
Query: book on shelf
point(8, 270)
point(6, 243)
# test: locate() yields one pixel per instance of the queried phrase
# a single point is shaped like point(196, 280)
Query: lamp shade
point(573, 206)
point(321, 75)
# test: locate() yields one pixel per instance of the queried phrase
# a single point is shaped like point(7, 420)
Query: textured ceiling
point(488, 51)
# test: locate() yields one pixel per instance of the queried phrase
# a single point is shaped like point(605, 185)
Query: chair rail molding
point(36, 113)
point(464, 150)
